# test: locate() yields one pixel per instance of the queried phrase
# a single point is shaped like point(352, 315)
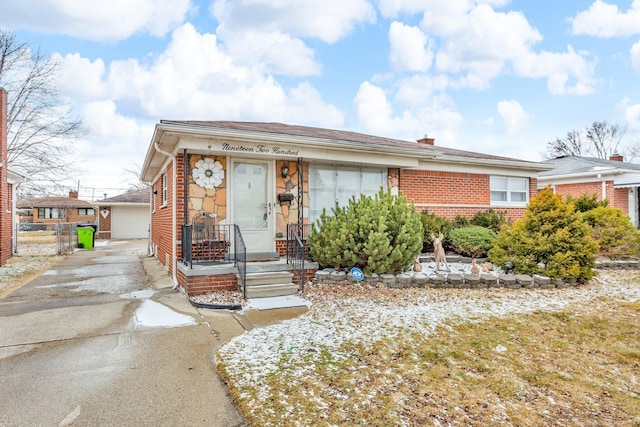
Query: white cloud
point(114, 144)
point(418, 89)
point(326, 20)
point(478, 40)
point(195, 79)
point(436, 118)
point(95, 20)
point(606, 20)
point(559, 69)
point(274, 53)
point(80, 77)
point(513, 115)
point(635, 56)
point(631, 116)
point(409, 50)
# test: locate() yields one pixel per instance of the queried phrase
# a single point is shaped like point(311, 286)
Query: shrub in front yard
point(551, 239)
point(491, 219)
point(382, 234)
point(472, 241)
point(433, 224)
point(585, 203)
point(614, 232)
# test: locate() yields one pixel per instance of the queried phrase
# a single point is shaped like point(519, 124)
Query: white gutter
point(174, 264)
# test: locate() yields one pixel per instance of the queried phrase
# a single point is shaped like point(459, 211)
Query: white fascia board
point(14, 177)
point(196, 137)
point(482, 169)
point(496, 164)
point(308, 153)
point(627, 180)
point(581, 177)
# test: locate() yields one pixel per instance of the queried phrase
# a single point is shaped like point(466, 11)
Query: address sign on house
point(260, 149)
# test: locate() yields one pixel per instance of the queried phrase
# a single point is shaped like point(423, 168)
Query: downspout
point(174, 275)
point(604, 186)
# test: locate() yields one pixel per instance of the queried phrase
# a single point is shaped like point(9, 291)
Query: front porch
point(214, 258)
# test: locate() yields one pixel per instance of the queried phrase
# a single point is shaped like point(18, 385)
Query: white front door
point(252, 210)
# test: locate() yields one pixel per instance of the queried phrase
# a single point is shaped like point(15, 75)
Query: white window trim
point(164, 182)
point(508, 202)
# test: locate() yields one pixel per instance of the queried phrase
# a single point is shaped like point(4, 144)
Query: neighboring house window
point(164, 188)
point(50, 213)
point(331, 184)
point(86, 212)
point(507, 190)
point(28, 212)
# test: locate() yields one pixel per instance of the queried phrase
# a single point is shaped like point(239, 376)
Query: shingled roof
point(136, 196)
point(53, 202)
point(336, 135)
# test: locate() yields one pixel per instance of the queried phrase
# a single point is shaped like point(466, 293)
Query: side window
point(509, 190)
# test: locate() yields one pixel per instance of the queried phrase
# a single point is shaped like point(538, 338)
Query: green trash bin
point(85, 237)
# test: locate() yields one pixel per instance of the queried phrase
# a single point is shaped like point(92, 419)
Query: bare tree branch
point(41, 129)
point(601, 140)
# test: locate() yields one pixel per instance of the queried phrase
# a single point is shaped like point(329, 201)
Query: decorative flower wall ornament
point(208, 173)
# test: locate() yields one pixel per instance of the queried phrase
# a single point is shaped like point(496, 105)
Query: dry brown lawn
point(578, 366)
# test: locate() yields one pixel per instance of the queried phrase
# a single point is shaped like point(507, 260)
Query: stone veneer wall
point(207, 200)
point(287, 213)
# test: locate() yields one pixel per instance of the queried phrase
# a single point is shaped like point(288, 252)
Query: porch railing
point(240, 256)
point(302, 231)
point(297, 251)
point(212, 244)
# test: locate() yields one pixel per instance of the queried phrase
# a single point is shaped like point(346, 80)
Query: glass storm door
point(252, 211)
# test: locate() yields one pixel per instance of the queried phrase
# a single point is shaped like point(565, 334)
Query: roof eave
point(506, 163)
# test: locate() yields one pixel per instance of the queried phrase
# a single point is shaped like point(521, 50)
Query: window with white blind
point(331, 184)
point(509, 190)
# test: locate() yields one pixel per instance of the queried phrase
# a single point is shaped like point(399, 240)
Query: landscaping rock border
point(461, 280)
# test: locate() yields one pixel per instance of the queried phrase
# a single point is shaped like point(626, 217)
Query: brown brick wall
point(161, 221)
point(618, 197)
point(450, 194)
point(104, 224)
point(198, 285)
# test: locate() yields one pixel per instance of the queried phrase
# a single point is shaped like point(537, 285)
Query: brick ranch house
point(264, 177)
point(8, 181)
point(52, 210)
point(613, 179)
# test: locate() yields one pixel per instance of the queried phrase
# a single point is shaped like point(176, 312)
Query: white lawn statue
point(438, 251)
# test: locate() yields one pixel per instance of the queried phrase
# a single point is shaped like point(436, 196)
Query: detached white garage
point(125, 216)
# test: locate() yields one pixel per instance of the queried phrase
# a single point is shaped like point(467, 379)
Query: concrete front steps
point(264, 284)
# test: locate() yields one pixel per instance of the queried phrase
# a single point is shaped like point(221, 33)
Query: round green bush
point(472, 241)
point(379, 235)
point(551, 239)
point(612, 229)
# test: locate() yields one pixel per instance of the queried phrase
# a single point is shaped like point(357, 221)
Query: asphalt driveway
point(103, 339)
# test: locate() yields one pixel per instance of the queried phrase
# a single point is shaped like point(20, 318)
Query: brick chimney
point(617, 157)
point(426, 140)
point(73, 194)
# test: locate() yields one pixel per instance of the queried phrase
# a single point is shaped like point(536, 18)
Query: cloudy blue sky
point(495, 76)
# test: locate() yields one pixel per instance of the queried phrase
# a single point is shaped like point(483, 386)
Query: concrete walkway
point(103, 339)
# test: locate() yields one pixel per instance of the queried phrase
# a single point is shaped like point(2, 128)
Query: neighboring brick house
point(8, 181)
point(56, 209)
point(614, 179)
point(265, 176)
point(125, 216)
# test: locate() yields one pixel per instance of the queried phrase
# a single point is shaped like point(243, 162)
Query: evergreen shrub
point(586, 203)
point(612, 229)
point(491, 219)
point(433, 224)
point(380, 234)
point(472, 241)
point(551, 239)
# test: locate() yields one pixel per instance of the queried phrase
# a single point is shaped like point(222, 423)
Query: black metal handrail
point(296, 254)
point(207, 243)
point(240, 259)
point(302, 231)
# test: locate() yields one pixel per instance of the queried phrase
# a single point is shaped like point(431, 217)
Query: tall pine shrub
point(379, 235)
point(551, 239)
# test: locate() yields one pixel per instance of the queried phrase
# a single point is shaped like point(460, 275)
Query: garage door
point(129, 222)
